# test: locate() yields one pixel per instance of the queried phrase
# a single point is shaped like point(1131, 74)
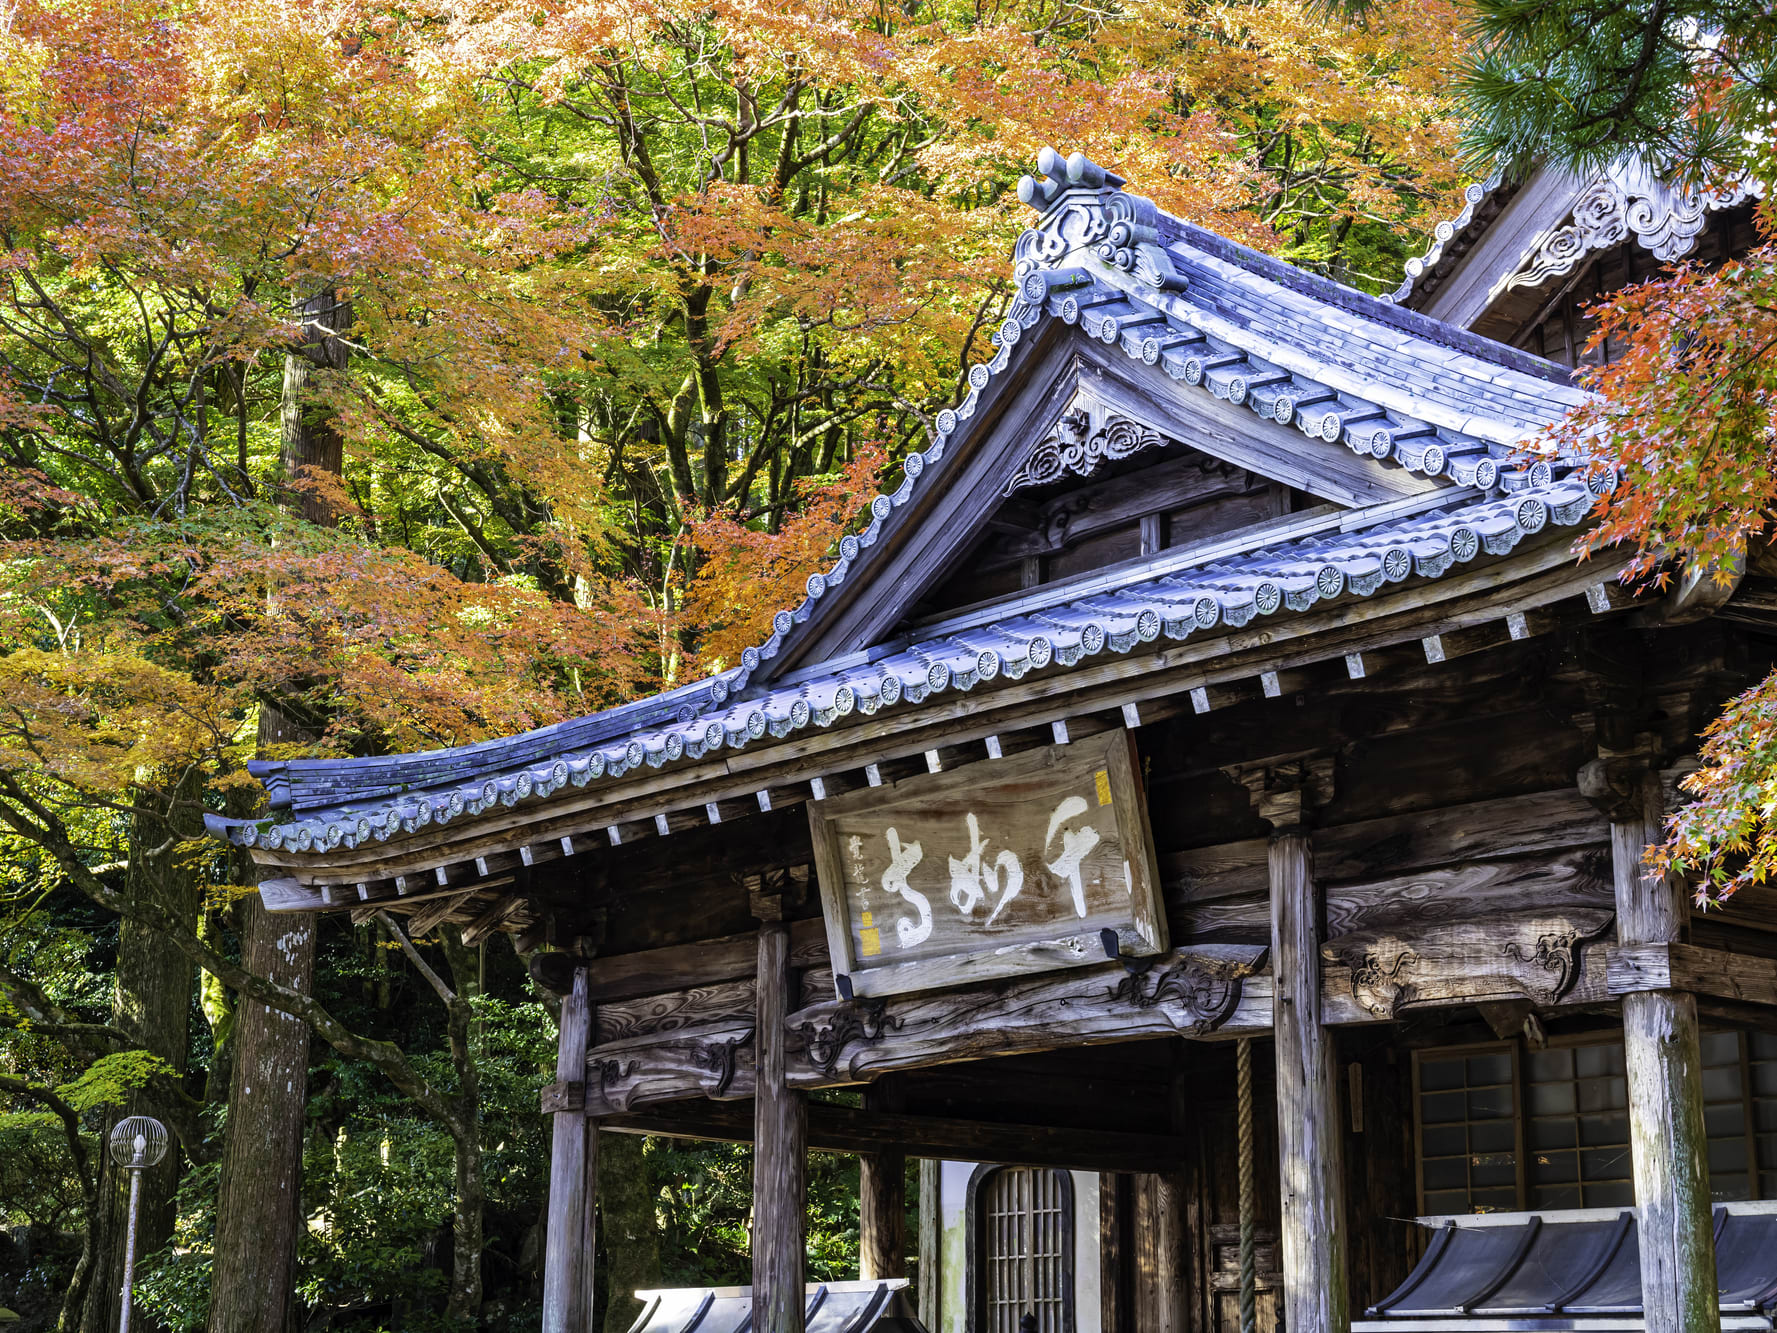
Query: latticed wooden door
point(1024, 1250)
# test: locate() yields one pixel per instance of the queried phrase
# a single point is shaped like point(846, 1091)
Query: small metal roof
point(1568, 1270)
point(833, 1307)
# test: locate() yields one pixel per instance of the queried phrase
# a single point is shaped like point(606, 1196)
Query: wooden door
point(1224, 1280)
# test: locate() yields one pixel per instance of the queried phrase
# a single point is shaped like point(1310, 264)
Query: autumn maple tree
point(615, 312)
point(1684, 415)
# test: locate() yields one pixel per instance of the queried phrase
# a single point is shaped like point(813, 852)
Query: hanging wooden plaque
point(1001, 868)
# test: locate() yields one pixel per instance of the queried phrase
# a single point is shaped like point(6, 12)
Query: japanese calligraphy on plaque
point(1003, 867)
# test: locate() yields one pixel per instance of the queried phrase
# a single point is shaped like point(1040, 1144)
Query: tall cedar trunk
point(151, 1002)
point(219, 1012)
point(258, 1204)
point(464, 1304)
point(632, 1243)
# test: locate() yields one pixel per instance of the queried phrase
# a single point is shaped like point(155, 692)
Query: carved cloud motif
point(1069, 449)
point(1537, 959)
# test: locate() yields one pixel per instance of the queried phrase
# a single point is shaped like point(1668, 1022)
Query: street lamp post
point(136, 1144)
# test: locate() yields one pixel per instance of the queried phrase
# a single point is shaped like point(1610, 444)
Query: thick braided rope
point(1249, 1312)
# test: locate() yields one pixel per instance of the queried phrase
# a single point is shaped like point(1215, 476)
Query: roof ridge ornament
point(1081, 206)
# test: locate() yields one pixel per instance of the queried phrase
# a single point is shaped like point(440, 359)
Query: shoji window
point(1502, 1127)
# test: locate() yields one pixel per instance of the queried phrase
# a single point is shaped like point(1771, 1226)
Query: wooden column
point(1665, 1066)
point(573, 1167)
point(780, 1140)
point(1311, 1169)
point(882, 1201)
point(931, 1241)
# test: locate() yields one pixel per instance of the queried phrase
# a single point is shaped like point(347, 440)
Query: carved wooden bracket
point(823, 1040)
point(1466, 962)
point(1286, 789)
point(1195, 994)
point(715, 1062)
point(719, 1058)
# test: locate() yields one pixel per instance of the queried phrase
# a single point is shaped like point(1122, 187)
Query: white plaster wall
point(1088, 1307)
point(953, 1201)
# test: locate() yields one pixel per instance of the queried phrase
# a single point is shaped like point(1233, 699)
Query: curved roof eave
point(1394, 386)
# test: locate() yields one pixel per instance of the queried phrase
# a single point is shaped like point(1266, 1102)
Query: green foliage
point(706, 1202)
point(38, 1183)
point(1582, 82)
point(111, 1079)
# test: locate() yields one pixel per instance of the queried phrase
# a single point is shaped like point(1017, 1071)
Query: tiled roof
point(1446, 234)
point(1396, 388)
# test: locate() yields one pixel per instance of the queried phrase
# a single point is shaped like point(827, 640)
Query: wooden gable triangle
point(1138, 344)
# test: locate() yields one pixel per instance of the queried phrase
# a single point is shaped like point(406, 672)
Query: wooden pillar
point(1311, 1169)
point(573, 1193)
point(931, 1241)
point(882, 1201)
point(1667, 1136)
point(780, 1141)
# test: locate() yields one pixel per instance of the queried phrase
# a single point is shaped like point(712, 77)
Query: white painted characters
point(972, 878)
point(1076, 845)
point(902, 859)
point(981, 876)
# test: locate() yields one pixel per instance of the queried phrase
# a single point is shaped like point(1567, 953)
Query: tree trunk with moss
point(259, 1207)
point(151, 1001)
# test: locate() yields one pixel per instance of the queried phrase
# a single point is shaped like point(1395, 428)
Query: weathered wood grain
point(780, 1149)
point(632, 976)
point(1634, 968)
point(882, 1197)
point(1192, 990)
point(1097, 1006)
point(1663, 1055)
point(1315, 1297)
point(573, 1163)
point(722, 1004)
point(1481, 960)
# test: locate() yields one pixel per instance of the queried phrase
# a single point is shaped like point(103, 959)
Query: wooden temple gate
point(1215, 707)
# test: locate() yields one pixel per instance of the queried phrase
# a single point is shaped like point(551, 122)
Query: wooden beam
point(490, 921)
point(573, 1189)
point(631, 976)
point(780, 1144)
point(1719, 973)
point(851, 1129)
point(1189, 991)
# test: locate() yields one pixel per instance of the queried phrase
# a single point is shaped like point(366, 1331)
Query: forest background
point(381, 378)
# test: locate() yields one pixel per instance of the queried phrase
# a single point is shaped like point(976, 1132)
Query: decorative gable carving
point(1626, 201)
point(1074, 447)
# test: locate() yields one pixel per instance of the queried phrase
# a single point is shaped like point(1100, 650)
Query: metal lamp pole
point(136, 1144)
